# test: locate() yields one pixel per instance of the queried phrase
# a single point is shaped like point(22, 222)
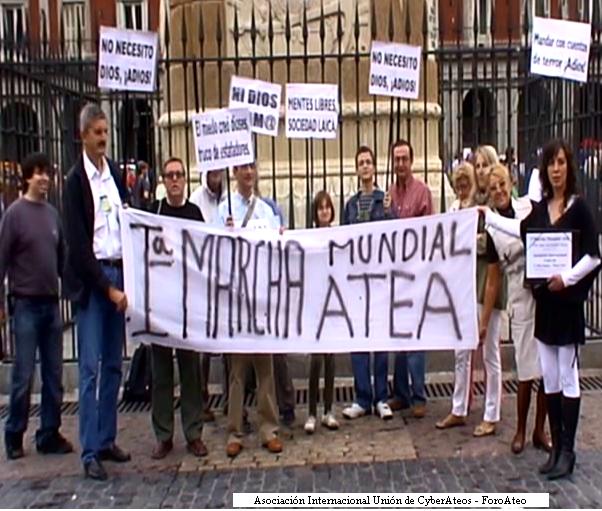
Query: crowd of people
point(82, 254)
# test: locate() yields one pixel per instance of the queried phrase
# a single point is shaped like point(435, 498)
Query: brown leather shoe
point(208, 415)
point(395, 404)
point(197, 448)
point(274, 445)
point(419, 411)
point(233, 449)
point(451, 421)
point(162, 449)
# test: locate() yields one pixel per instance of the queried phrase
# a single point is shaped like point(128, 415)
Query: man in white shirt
point(249, 211)
point(208, 196)
point(92, 198)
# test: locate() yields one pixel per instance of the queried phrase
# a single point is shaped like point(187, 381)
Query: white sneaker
point(384, 411)
point(310, 425)
point(354, 411)
point(329, 421)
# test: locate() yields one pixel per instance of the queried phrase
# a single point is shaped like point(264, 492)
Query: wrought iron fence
point(475, 88)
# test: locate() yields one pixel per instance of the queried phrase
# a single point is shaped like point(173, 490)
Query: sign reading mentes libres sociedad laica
point(263, 101)
point(560, 48)
point(394, 70)
point(222, 138)
point(127, 59)
point(312, 110)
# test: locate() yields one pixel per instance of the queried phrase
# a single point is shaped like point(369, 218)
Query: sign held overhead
point(560, 48)
point(127, 59)
point(312, 110)
point(395, 70)
point(222, 138)
point(263, 101)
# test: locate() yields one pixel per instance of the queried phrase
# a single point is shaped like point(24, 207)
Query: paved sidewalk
point(367, 454)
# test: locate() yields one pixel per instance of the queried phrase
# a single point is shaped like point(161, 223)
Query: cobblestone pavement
point(366, 455)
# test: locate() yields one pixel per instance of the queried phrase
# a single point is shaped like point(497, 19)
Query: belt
point(113, 263)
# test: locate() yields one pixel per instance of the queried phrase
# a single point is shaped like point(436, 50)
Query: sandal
point(484, 429)
point(451, 421)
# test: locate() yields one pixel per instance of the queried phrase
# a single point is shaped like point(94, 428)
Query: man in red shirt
point(410, 197)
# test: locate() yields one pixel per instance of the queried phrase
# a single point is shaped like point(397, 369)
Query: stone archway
point(478, 118)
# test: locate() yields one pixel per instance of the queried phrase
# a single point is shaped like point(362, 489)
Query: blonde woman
point(491, 303)
point(484, 157)
point(521, 307)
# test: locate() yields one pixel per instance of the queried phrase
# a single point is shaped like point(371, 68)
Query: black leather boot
point(566, 459)
point(13, 443)
point(554, 403)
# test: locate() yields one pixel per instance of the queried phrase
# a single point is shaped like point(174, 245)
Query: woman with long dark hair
point(559, 314)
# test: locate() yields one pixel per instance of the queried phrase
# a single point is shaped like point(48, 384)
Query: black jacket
point(83, 272)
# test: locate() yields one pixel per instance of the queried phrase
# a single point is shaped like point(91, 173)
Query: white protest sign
point(127, 59)
point(380, 286)
point(263, 101)
point(222, 138)
point(312, 110)
point(560, 48)
point(395, 70)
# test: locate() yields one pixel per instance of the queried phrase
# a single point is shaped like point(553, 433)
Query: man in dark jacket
point(370, 204)
point(92, 198)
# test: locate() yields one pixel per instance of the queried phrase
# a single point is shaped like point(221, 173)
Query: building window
point(74, 26)
point(483, 14)
point(133, 15)
point(542, 8)
point(12, 30)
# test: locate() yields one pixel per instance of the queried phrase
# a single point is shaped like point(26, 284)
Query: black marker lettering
point(226, 287)
point(332, 285)
point(244, 257)
point(333, 244)
point(438, 243)
point(452, 250)
point(274, 283)
point(256, 327)
point(447, 309)
point(390, 243)
point(291, 284)
point(367, 277)
point(395, 304)
point(409, 233)
point(365, 257)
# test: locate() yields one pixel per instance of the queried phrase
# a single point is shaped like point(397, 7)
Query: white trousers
point(493, 368)
point(560, 369)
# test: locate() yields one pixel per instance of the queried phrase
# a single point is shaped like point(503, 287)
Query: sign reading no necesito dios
point(395, 70)
point(127, 59)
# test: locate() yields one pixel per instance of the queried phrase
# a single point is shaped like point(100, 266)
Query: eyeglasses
point(173, 175)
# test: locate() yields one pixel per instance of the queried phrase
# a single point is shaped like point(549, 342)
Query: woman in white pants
point(559, 314)
point(521, 308)
point(491, 303)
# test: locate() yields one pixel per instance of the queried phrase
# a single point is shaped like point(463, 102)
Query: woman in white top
point(521, 308)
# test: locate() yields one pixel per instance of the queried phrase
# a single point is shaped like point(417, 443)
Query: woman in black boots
point(559, 314)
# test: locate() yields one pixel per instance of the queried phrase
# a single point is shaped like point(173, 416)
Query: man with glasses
point(409, 198)
point(175, 204)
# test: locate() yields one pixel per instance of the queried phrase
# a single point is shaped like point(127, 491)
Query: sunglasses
point(173, 175)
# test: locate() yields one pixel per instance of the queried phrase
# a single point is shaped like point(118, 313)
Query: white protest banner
point(263, 101)
point(560, 48)
point(395, 70)
point(380, 286)
point(222, 138)
point(127, 59)
point(312, 110)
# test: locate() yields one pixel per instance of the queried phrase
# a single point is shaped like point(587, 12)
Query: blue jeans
point(37, 324)
point(410, 364)
point(360, 362)
point(100, 335)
